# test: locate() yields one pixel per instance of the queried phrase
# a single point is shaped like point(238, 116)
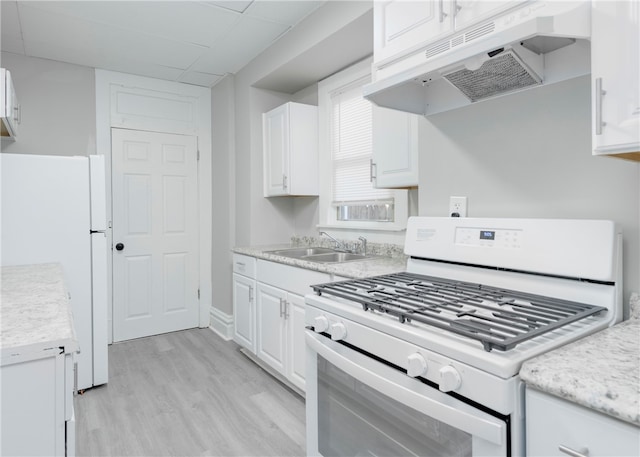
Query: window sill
point(373, 227)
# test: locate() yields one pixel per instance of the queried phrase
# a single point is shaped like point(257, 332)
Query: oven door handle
point(408, 391)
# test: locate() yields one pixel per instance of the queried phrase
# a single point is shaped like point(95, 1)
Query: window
point(347, 196)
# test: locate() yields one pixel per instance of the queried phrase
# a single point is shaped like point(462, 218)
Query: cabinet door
point(271, 309)
point(554, 424)
point(33, 407)
point(395, 148)
point(615, 72)
point(296, 344)
point(244, 324)
point(275, 131)
point(469, 12)
point(9, 108)
point(402, 26)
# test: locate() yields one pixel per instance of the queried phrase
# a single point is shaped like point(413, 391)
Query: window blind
point(351, 147)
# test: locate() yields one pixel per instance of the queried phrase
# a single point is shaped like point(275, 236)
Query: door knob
point(119, 247)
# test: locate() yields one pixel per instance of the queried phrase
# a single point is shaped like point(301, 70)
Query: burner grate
point(498, 318)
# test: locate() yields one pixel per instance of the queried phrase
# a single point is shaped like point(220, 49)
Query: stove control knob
point(320, 324)
point(449, 379)
point(416, 365)
point(338, 331)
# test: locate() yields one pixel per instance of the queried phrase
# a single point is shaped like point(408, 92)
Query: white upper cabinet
point(9, 107)
point(468, 12)
point(290, 149)
point(402, 25)
point(395, 149)
point(615, 72)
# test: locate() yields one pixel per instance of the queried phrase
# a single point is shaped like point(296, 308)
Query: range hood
point(540, 43)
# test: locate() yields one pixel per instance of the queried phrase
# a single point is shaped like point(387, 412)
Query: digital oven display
point(487, 235)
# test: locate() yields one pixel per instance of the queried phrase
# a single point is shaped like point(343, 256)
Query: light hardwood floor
point(188, 393)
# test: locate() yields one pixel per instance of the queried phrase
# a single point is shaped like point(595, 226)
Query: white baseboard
point(221, 323)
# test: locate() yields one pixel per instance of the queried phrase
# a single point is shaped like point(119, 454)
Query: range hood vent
point(549, 47)
point(503, 73)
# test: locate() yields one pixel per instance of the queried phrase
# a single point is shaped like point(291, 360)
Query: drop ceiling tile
point(235, 5)
point(283, 12)
point(248, 39)
point(186, 21)
point(10, 20)
point(200, 79)
point(61, 37)
point(12, 44)
point(11, 35)
point(144, 69)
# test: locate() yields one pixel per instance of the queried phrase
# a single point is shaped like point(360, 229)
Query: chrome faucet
point(340, 246)
point(363, 240)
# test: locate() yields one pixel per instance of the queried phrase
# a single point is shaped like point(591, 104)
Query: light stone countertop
point(601, 372)
point(391, 258)
point(36, 313)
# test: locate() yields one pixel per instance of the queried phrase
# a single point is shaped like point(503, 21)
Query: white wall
point(529, 155)
point(223, 191)
point(260, 220)
point(58, 106)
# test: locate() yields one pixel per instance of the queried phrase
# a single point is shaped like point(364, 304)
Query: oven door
point(358, 406)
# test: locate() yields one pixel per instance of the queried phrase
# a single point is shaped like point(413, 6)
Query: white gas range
point(426, 362)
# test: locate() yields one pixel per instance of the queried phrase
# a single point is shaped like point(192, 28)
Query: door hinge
point(198, 294)
point(198, 155)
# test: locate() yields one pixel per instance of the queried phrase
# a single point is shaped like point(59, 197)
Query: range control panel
point(489, 237)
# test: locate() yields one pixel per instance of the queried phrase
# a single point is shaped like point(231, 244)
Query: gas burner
point(498, 318)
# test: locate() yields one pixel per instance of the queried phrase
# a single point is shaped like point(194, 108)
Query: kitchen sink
point(335, 257)
point(320, 255)
point(298, 253)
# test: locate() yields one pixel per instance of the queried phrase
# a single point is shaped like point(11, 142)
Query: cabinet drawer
point(244, 265)
point(553, 423)
point(291, 279)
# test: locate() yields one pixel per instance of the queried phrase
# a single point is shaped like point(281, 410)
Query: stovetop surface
point(498, 318)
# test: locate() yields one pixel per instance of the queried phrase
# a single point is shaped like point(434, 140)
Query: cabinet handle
point(580, 453)
point(598, 96)
point(442, 13)
point(284, 182)
point(251, 294)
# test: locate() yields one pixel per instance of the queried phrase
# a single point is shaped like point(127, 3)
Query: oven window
point(355, 420)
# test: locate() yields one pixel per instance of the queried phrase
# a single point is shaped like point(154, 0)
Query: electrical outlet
point(458, 206)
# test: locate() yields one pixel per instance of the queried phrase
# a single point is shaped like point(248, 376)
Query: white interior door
point(155, 233)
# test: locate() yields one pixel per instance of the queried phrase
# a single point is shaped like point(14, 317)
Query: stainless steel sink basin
point(335, 257)
point(320, 255)
point(298, 253)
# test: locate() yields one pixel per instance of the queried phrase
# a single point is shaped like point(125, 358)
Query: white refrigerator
point(53, 209)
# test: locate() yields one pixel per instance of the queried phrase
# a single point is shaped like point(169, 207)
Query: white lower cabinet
point(295, 332)
point(244, 301)
point(556, 427)
point(37, 407)
point(281, 332)
point(272, 325)
point(280, 291)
